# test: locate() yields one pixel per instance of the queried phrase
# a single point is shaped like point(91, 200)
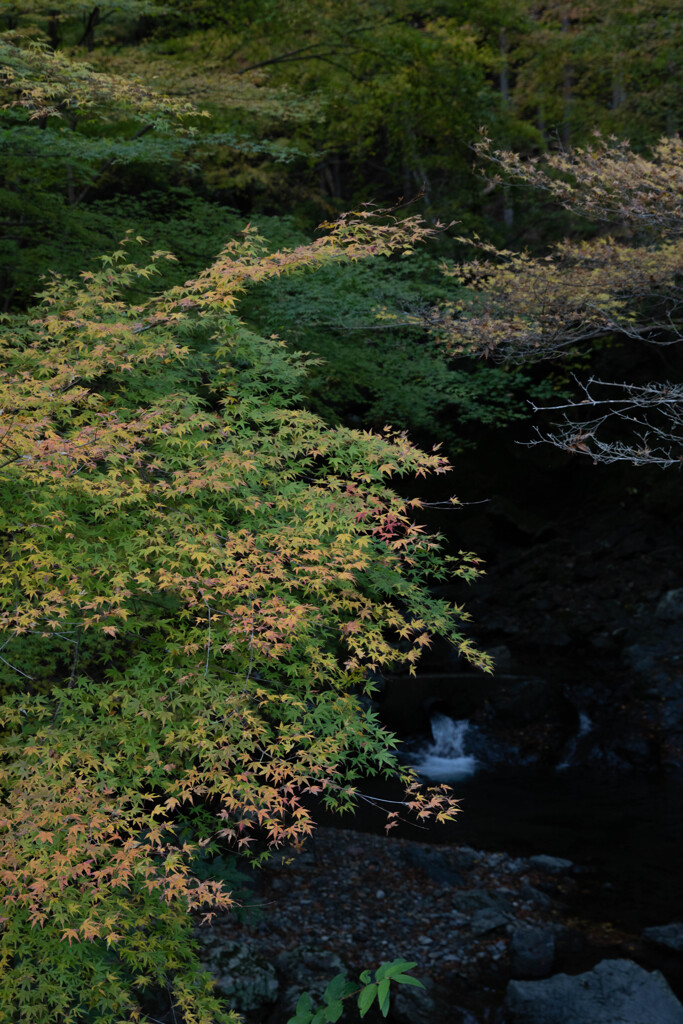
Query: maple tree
point(198, 576)
point(624, 285)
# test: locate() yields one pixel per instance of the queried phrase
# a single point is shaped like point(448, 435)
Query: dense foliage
point(198, 575)
point(211, 544)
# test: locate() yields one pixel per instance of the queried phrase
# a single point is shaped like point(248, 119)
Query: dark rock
point(465, 858)
point(502, 658)
point(516, 865)
point(614, 992)
point(306, 969)
point(487, 920)
point(532, 952)
point(553, 865)
point(552, 634)
point(247, 981)
point(670, 936)
point(520, 701)
point(458, 920)
point(410, 1005)
point(433, 864)
point(525, 721)
point(656, 659)
point(531, 894)
point(671, 714)
point(480, 899)
point(640, 658)
point(670, 606)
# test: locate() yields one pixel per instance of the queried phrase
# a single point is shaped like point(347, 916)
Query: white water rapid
point(445, 759)
point(585, 726)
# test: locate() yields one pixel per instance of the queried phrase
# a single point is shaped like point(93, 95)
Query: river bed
point(628, 831)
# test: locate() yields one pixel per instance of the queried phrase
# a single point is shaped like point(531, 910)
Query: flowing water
point(629, 830)
point(445, 758)
point(585, 729)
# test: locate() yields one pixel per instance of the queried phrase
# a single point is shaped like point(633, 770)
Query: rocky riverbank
point(494, 936)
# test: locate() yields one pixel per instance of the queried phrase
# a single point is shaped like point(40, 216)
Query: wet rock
point(553, 865)
point(614, 992)
point(670, 936)
point(246, 980)
point(532, 952)
point(670, 606)
point(524, 721)
point(520, 701)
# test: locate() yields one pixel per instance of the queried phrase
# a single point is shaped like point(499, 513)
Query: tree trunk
point(567, 88)
point(53, 29)
point(504, 81)
point(88, 37)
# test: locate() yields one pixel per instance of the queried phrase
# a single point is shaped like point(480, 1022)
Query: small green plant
point(366, 989)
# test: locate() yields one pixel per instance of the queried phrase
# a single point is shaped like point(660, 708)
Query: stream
point(628, 830)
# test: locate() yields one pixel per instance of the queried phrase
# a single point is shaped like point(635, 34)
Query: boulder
point(669, 936)
point(532, 952)
point(432, 1004)
point(552, 865)
point(670, 606)
point(502, 658)
point(540, 900)
point(473, 900)
point(521, 701)
point(614, 992)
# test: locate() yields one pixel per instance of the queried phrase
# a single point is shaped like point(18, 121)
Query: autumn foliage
point(623, 285)
point(198, 576)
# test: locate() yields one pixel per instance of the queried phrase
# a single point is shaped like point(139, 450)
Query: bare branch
point(651, 413)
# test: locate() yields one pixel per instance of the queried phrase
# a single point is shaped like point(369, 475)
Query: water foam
point(445, 760)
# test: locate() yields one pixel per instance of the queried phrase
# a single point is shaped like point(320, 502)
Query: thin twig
point(208, 642)
point(251, 648)
point(72, 677)
point(14, 667)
